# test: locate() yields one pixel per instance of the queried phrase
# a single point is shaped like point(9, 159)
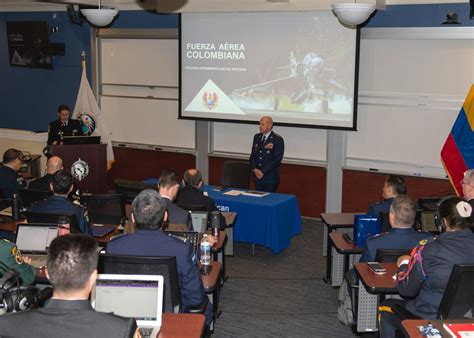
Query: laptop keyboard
point(38, 261)
point(145, 331)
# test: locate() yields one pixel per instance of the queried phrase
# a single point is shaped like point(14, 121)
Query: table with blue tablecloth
point(271, 220)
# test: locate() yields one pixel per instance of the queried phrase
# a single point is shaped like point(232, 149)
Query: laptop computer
point(33, 240)
point(132, 296)
point(199, 219)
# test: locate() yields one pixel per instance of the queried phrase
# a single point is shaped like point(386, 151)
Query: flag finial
point(83, 61)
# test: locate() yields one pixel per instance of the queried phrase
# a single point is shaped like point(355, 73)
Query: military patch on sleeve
point(17, 254)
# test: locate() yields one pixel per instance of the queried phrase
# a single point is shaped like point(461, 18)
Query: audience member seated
point(168, 189)
point(393, 186)
point(468, 190)
point(12, 162)
point(148, 214)
point(61, 185)
point(191, 193)
point(401, 235)
point(54, 164)
point(72, 271)
point(423, 276)
point(11, 257)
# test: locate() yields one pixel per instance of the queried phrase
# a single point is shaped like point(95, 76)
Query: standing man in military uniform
point(267, 153)
point(9, 179)
point(63, 126)
point(12, 258)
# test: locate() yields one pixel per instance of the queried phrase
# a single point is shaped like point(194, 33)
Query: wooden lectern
point(91, 158)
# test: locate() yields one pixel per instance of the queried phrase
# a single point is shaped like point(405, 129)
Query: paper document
point(6, 212)
point(233, 192)
point(255, 193)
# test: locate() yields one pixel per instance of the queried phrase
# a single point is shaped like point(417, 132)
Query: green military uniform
point(11, 257)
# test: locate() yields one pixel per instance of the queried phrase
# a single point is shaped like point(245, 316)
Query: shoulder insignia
point(423, 242)
point(17, 254)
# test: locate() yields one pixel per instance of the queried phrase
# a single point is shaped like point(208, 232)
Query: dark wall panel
point(362, 188)
point(140, 164)
point(306, 182)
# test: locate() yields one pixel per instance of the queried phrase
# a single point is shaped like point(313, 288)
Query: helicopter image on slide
point(304, 83)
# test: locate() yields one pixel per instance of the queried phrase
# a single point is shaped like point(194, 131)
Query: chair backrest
point(54, 218)
point(28, 197)
point(192, 207)
point(191, 236)
point(390, 255)
point(105, 209)
point(131, 188)
point(458, 297)
point(140, 265)
point(236, 174)
point(429, 203)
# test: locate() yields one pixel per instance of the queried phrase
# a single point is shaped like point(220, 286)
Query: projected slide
point(298, 67)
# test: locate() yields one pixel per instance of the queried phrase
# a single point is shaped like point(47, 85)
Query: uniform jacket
point(380, 207)
point(66, 318)
point(156, 243)
point(427, 279)
point(189, 195)
point(11, 257)
point(395, 238)
point(177, 215)
point(41, 183)
point(73, 127)
point(8, 182)
point(267, 156)
point(60, 204)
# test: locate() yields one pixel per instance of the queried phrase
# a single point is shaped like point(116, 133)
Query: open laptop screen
point(31, 237)
point(132, 296)
point(199, 219)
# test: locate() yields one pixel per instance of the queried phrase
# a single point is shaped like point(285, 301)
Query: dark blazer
point(156, 243)
point(66, 318)
point(8, 181)
point(60, 204)
point(395, 238)
point(267, 157)
point(41, 183)
point(429, 276)
point(380, 207)
point(193, 196)
point(177, 215)
point(55, 127)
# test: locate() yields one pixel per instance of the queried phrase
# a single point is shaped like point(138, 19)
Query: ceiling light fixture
point(100, 17)
point(353, 14)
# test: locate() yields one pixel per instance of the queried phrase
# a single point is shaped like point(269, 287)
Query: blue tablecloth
point(271, 220)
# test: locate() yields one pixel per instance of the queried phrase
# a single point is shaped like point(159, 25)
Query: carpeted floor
point(282, 295)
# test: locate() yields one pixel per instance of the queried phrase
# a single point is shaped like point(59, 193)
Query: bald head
point(193, 177)
point(266, 124)
point(54, 164)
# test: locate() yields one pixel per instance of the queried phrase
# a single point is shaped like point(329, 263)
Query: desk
point(345, 248)
point(182, 325)
point(410, 327)
point(370, 287)
point(333, 221)
point(270, 220)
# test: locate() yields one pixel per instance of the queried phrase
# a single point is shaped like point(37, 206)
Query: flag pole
point(83, 60)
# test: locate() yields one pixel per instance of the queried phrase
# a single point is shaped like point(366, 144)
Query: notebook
point(132, 296)
point(33, 240)
point(101, 230)
point(199, 219)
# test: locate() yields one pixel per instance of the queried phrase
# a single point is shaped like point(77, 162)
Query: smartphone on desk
point(377, 268)
point(347, 238)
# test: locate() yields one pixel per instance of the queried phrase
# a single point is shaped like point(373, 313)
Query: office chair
point(105, 209)
point(192, 236)
point(28, 197)
point(458, 297)
point(140, 265)
point(235, 174)
point(390, 255)
point(131, 188)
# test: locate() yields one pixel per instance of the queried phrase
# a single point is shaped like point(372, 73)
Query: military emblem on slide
point(210, 100)
point(88, 123)
point(80, 170)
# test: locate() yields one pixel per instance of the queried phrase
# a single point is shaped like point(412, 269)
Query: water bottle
point(15, 208)
point(205, 253)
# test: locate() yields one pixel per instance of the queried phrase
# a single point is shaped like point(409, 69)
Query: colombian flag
point(457, 154)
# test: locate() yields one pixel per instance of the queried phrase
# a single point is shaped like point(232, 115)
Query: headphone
point(438, 220)
point(13, 296)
